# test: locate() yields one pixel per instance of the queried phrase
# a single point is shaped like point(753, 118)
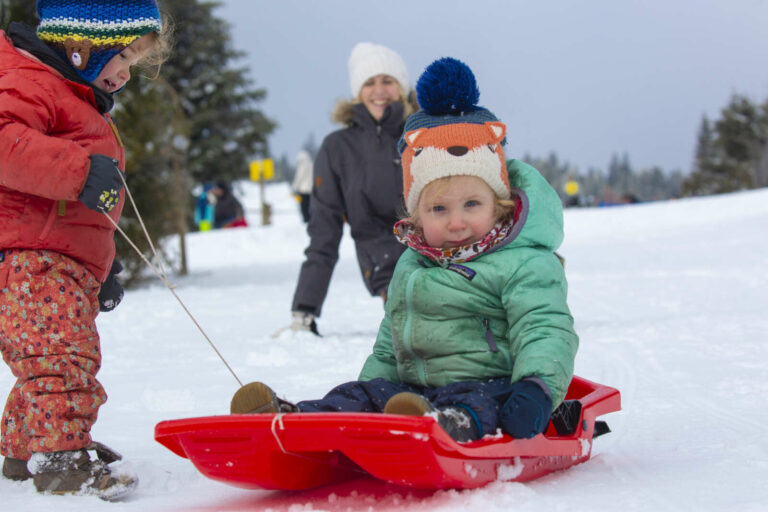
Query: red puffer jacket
point(49, 126)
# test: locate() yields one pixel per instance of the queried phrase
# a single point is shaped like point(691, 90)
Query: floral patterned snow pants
point(48, 307)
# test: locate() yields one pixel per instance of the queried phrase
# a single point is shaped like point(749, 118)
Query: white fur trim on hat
point(368, 59)
point(434, 163)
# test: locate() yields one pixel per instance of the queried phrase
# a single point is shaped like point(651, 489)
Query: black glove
point(101, 191)
point(527, 410)
point(111, 292)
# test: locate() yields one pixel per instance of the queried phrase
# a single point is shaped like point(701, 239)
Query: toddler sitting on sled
point(477, 329)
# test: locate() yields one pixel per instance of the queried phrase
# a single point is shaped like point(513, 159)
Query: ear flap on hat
point(78, 52)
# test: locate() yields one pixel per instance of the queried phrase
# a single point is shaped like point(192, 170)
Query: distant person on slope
point(477, 329)
point(61, 175)
point(228, 211)
point(357, 179)
point(302, 182)
point(205, 206)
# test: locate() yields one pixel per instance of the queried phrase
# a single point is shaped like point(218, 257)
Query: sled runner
point(304, 450)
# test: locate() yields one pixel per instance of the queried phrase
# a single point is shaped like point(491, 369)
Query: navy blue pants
point(481, 398)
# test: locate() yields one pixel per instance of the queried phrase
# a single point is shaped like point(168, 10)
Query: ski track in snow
point(669, 301)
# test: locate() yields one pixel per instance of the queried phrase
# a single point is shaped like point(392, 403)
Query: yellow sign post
point(255, 169)
point(268, 169)
point(262, 171)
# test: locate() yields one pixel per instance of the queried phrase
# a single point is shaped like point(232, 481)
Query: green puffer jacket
point(510, 319)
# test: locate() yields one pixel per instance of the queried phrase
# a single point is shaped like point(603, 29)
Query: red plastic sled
point(305, 450)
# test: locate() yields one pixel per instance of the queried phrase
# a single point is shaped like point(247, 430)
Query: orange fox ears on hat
point(498, 132)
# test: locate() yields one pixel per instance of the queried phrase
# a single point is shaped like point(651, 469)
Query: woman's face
point(377, 93)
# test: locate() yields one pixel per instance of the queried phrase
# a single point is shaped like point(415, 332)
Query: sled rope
point(278, 420)
point(161, 274)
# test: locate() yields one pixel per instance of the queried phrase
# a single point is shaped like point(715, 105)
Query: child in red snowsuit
point(61, 165)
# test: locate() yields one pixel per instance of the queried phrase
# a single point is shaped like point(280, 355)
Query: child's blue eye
point(471, 203)
point(438, 208)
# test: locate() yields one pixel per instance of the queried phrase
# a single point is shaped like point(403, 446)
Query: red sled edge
point(305, 450)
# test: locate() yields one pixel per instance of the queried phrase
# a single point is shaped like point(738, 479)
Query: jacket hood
point(344, 111)
point(350, 113)
point(25, 38)
point(540, 223)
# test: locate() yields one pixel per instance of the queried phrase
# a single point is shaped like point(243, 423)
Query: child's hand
point(527, 410)
point(101, 191)
point(111, 292)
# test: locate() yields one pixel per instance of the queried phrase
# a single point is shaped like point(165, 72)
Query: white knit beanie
point(368, 59)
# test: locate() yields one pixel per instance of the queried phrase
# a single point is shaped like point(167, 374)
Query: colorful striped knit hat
point(451, 135)
point(88, 33)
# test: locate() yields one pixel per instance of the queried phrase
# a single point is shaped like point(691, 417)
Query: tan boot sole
point(408, 404)
point(254, 398)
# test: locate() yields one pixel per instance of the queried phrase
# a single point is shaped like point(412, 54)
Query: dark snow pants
point(481, 398)
point(48, 338)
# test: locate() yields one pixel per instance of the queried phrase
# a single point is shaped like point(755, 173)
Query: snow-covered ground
point(670, 301)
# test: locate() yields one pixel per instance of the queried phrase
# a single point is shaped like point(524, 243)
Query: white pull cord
point(161, 274)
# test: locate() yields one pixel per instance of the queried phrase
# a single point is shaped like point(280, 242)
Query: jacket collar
point(391, 122)
point(25, 38)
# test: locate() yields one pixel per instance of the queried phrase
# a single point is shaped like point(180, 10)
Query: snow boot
point(257, 398)
point(455, 420)
point(73, 472)
point(16, 469)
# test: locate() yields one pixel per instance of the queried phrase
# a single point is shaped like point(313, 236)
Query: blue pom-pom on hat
point(447, 86)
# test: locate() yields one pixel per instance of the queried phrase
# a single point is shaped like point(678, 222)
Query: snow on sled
point(305, 450)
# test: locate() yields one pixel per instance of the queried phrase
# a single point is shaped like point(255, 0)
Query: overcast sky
point(584, 78)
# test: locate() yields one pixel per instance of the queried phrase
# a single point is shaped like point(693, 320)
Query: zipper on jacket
point(489, 337)
point(409, 286)
point(378, 136)
point(55, 208)
point(62, 208)
point(114, 130)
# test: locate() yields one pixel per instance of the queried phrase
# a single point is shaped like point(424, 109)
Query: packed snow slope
point(670, 301)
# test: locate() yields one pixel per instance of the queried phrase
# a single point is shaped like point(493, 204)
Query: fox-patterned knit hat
point(368, 59)
point(89, 33)
point(451, 135)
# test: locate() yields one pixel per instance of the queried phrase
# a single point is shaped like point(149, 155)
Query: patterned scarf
point(408, 235)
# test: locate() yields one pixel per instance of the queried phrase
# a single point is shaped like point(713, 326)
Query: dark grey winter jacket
point(358, 178)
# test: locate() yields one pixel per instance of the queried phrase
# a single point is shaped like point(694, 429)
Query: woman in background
point(357, 179)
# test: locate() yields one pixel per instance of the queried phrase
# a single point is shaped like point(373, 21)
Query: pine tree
point(706, 152)
point(733, 158)
point(197, 122)
point(591, 186)
point(620, 174)
point(154, 131)
point(226, 130)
